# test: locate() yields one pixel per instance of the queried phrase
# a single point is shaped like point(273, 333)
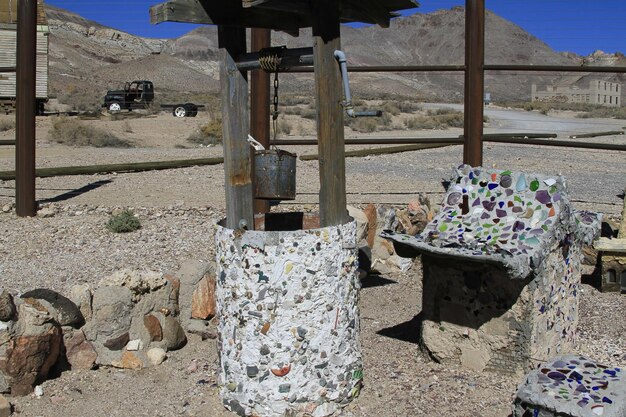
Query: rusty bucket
point(275, 175)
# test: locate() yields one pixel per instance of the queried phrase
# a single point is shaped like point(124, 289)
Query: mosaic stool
point(501, 264)
point(572, 386)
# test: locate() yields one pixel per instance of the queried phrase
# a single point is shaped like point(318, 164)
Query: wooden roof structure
point(283, 15)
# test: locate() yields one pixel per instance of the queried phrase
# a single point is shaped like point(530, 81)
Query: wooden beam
point(235, 126)
point(184, 11)
point(260, 103)
point(373, 10)
point(329, 95)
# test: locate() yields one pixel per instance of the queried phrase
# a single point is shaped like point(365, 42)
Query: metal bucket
point(275, 175)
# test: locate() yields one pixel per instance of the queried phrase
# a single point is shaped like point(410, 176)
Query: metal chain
point(275, 112)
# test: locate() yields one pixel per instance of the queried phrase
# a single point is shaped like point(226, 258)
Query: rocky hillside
point(88, 58)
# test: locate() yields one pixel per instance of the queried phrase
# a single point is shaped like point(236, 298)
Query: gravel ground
point(178, 210)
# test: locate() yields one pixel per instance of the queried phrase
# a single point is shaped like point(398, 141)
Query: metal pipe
point(459, 140)
point(295, 57)
point(7, 69)
point(340, 56)
point(25, 203)
point(461, 68)
point(474, 82)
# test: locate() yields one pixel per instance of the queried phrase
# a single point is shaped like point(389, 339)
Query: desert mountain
point(89, 58)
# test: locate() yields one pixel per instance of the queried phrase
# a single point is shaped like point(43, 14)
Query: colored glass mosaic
point(572, 386)
point(503, 216)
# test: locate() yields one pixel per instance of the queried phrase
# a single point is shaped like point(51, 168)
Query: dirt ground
point(400, 380)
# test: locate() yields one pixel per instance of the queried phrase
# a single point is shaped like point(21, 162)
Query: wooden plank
point(373, 9)
point(329, 95)
point(622, 226)
point(380, 151)
point(235, 125)
point(605, 244)
point(184, 11)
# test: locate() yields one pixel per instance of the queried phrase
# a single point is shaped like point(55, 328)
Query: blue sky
point(580, 26)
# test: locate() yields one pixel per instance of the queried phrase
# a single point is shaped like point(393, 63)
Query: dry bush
point(7, 124)
point(602, 112)
point(81, 100)
point(364, 124)
point(208, 134)
point(73, 132)
point(283, 127)
point(407, 106)
point(309, 113)
point(436, 119)
point(391, 108)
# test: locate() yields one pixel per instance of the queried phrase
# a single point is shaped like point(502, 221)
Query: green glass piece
point(553, 189)
point(507, 172)
point(518, 199)
point(443, 227)
point(534, 185)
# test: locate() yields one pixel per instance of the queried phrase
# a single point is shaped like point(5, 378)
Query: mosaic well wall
point(288, 320)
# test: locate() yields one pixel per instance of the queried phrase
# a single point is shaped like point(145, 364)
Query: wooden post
point(25, 203)
point(474, 81)
point(329, 95)
point(260, 103)
point(235, 120)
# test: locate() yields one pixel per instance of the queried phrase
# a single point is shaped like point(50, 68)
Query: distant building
point(604, 93)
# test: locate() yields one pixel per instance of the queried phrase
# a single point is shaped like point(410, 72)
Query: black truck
point(140, 95)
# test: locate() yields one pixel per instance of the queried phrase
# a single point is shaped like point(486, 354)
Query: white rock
point(38, 391)
point(133, 345)
point(7, 208)
point(156, 356)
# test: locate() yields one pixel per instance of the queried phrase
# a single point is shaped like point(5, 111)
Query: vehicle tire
point(180, 111)
point(115, 107)
point(192, 109)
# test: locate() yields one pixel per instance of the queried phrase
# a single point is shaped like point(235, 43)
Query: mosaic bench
point(572, 386)
point(501, 263)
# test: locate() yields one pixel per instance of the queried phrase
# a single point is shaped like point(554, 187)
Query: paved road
point(503, 120)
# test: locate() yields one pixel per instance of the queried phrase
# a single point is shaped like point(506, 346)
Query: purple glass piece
point(581, 388)
point(508, 192)
point(517, 209)
point(485, 215)
point(543, 197)
point(556, 375)
point(476, 202)
point(501, 213)
point(489, 205)
point(518, 226)
point(454, 198)
point(556, 197)
point(506, 181)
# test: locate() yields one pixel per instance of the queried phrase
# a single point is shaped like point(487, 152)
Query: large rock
point(5, 407)
point(362, 223)
point(188, 276)
point(7, 307)
point(33, 347)
point(203, 303)
point(81, 296)
point(79, 351)
point(65, 311)
point(110, 323)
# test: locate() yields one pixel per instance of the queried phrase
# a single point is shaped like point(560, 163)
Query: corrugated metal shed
point(8, 49)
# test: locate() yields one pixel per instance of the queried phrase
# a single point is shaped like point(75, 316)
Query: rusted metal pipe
point(25, 203)
point(474, 81)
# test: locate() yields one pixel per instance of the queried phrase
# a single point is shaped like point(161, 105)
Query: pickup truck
point(140, 95)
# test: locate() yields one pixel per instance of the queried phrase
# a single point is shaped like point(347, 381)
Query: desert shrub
point(364, 124)
point(125, 222)
point(208, 134)
point(604, 113)
point(391, 108)
point(310, 114)
point(420, 122)
point(291, 100)
point(73, 132)
point(7, 124)
point(407, 106)
point(283, 127)
point(292, 110)
point(126, 127)
point(81, 100)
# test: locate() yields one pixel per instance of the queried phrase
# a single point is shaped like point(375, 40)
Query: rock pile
point(378, 254)
point(131, 320)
